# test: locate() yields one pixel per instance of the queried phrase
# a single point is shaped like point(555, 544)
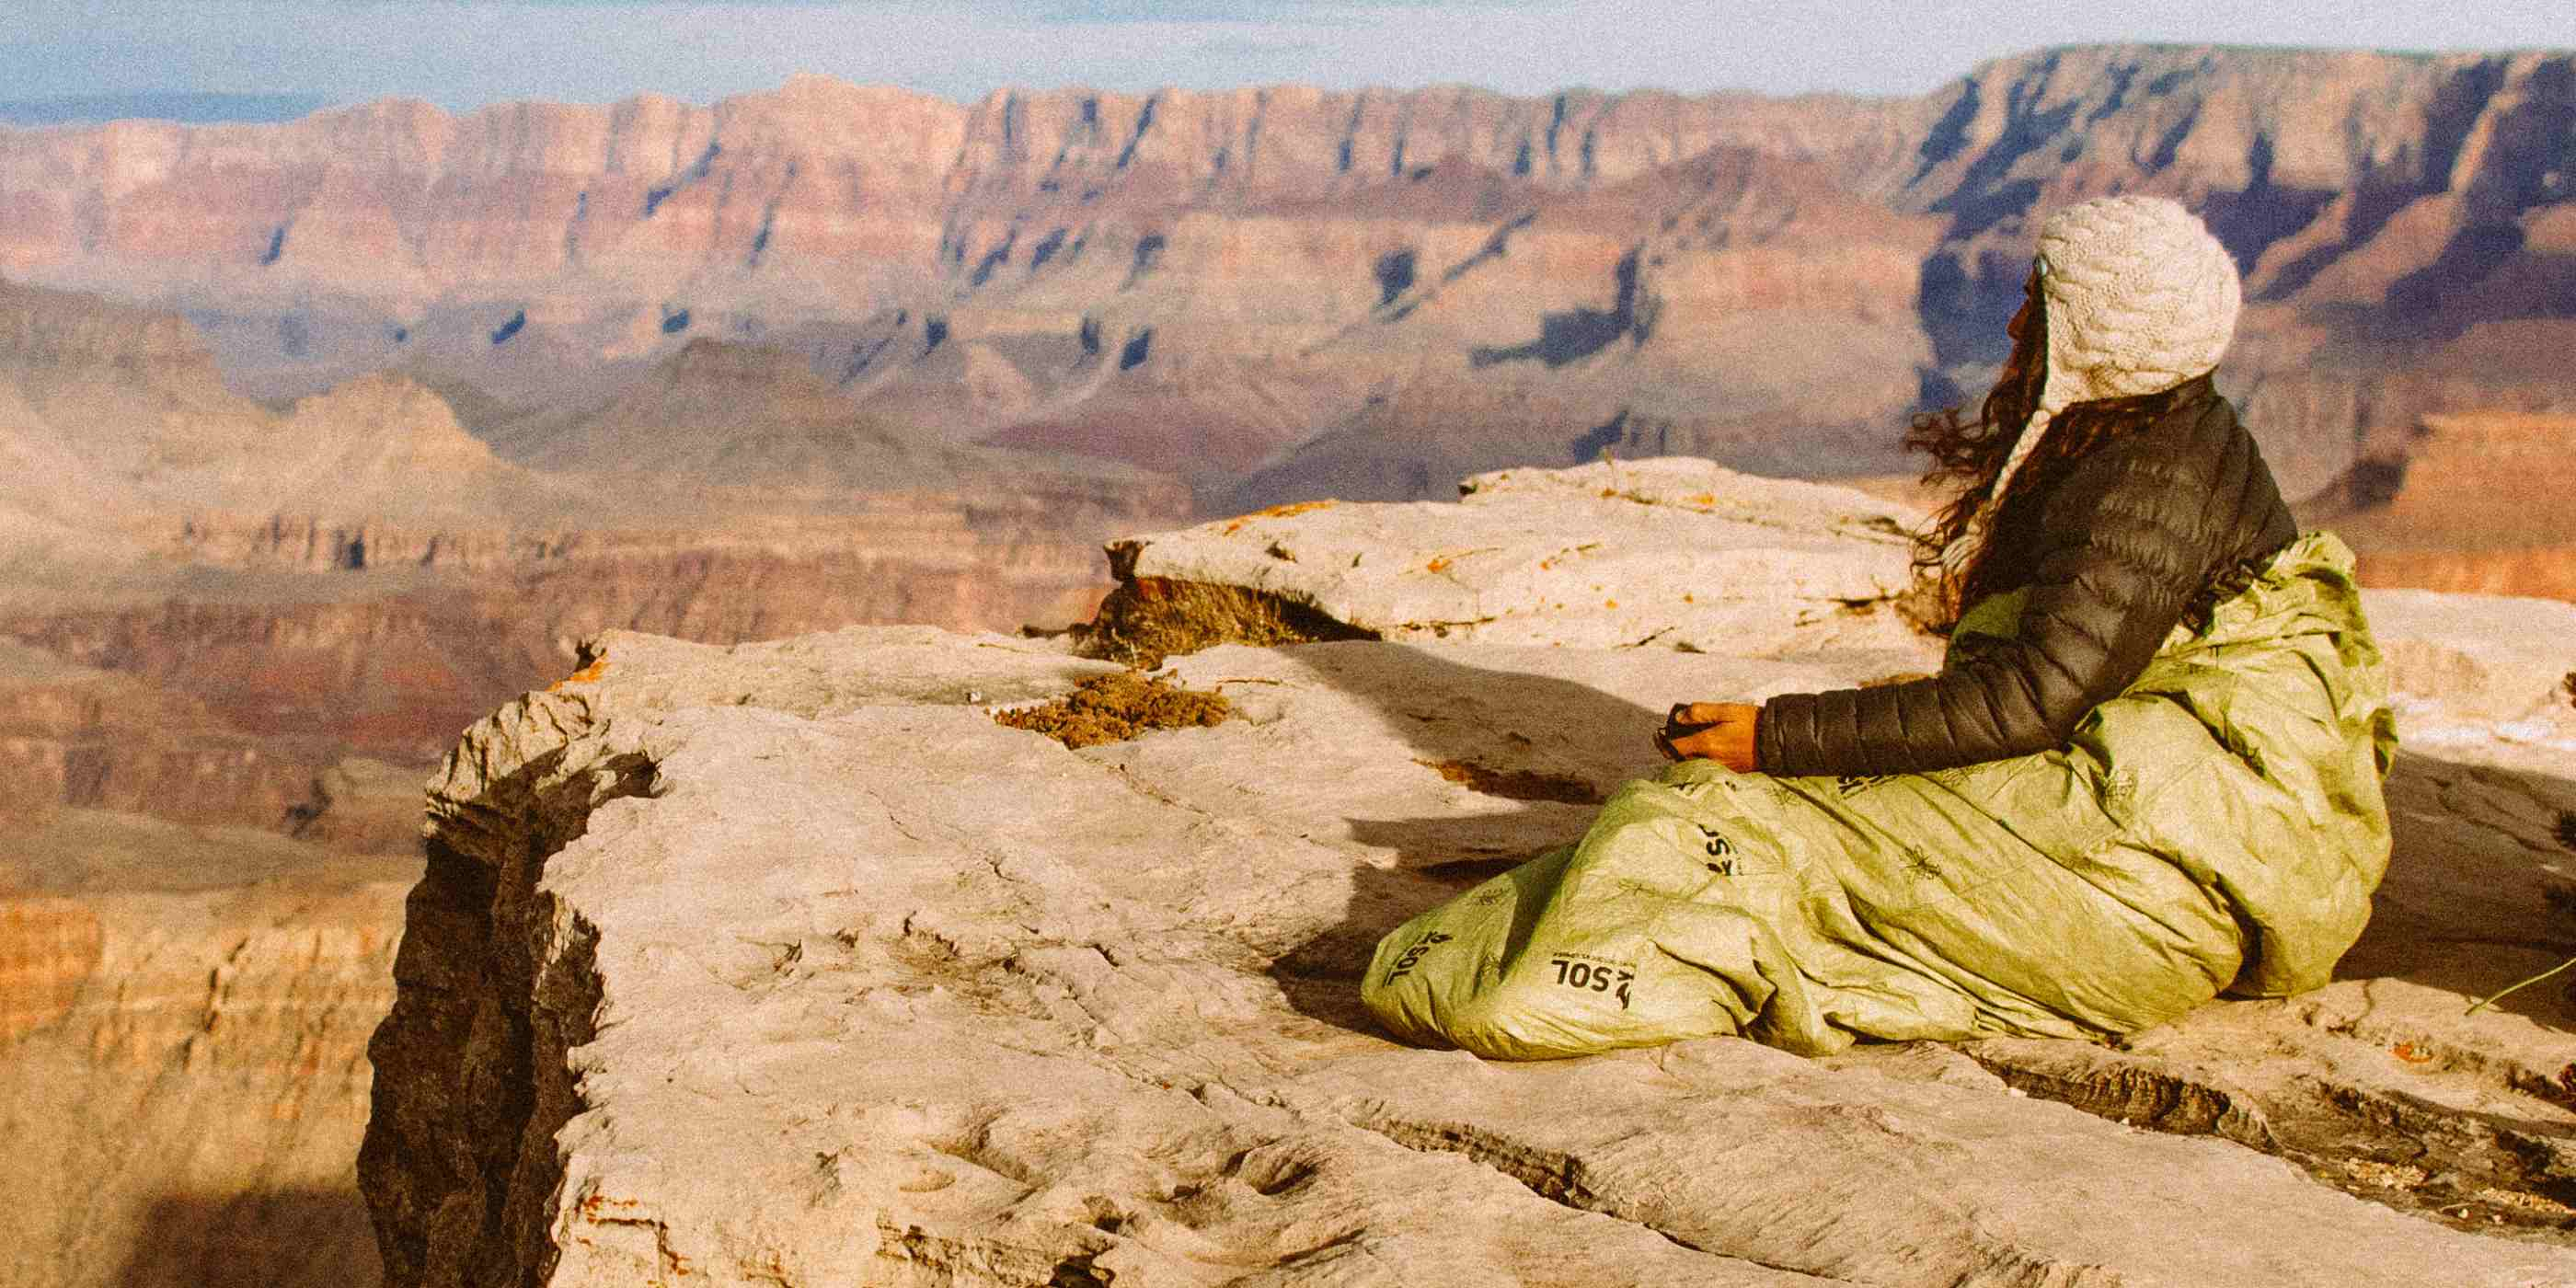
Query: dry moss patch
point(1115, 708)
point(1147, 619)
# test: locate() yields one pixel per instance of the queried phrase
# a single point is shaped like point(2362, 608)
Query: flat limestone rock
point(1680, 553)
point(2481, 676)
point(787, 964)
point(1677, 553)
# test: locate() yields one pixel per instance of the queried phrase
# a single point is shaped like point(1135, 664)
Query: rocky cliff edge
point(788, 964)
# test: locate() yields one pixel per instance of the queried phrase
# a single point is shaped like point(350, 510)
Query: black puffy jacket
point(2115, 550)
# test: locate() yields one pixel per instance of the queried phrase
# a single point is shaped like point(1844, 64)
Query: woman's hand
point(1719, 731)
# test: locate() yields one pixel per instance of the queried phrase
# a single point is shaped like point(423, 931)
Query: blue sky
point(463, 53)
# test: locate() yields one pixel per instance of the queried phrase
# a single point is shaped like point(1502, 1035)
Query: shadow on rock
point(1519, 735)
point(1554, 746)
point(2481, 887)
point(300, 1238)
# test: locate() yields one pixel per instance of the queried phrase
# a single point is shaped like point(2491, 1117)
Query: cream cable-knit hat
point(2140, 298)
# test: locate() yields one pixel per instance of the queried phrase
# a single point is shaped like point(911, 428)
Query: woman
point(2148, 771)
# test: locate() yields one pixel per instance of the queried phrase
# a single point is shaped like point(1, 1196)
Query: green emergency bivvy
point(2219, 826)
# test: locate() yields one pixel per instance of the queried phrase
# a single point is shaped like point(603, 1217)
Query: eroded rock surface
point(1675, 553)
point(787, 964)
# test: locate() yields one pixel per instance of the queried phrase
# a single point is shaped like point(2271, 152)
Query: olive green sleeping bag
point(2218, 826)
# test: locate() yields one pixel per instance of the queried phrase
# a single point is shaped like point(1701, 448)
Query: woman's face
point(2021, 317)
point(2026, 368)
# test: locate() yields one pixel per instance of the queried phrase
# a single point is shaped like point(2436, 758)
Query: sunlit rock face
point(693, 915)
point(2467, 502)
point(791, 964)
point(183, 1078)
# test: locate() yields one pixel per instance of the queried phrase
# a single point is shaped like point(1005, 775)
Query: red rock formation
point(1292, 283)
point(2548, 572)
point(48, 947)
point(395, 673)
point(185, 1104)
point(2470, 503)
point(75, 738)
point(363, 571)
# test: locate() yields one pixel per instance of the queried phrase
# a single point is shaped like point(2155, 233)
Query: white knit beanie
point(2139, 298)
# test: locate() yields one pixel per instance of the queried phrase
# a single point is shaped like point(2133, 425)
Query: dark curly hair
point(1969, 455)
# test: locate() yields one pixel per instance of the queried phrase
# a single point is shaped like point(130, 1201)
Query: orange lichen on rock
point(585, 675)
point(1290, 510)
point(1439, 563)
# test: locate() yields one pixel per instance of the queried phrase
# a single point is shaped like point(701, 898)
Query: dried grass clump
point(1115, 708)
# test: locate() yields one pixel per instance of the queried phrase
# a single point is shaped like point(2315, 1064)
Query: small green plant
point(2519, 985)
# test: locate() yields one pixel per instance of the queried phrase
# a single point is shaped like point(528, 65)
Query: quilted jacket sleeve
point(2127, 540)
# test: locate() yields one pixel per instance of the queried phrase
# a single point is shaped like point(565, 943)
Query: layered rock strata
point(2468, 504)
point(362, 569)
point(73, 737)
point(183, 1082)
point(1288, 293)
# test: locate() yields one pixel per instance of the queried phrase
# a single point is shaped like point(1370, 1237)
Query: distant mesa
point(187, 107)
point(2469, 505)
point(1291, 293)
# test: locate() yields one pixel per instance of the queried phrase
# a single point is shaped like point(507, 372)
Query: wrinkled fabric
point(2112, 556)
point(2218, 825)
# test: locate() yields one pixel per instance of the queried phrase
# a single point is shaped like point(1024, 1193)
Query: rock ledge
point(788, 964)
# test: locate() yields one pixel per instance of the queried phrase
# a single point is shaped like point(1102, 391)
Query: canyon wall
point(183, 1074)
point(1282, 292)
point(2470, 502)
point(320, 441)
point(358, 568)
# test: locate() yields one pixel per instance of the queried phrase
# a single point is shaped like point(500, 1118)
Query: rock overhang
point(1675, 552)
